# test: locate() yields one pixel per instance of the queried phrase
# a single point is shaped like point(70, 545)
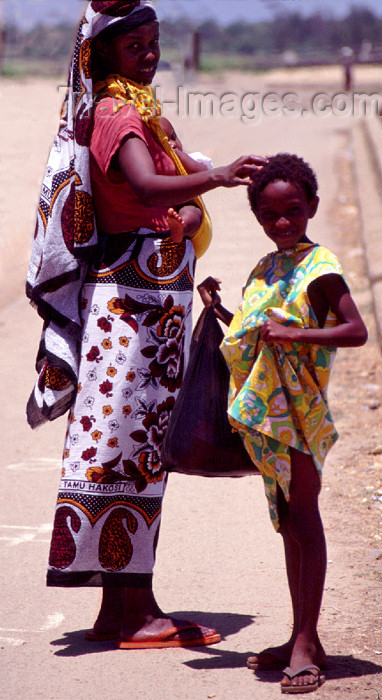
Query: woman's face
point(135, 55)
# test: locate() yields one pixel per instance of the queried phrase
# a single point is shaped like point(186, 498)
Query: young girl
point(296, 310)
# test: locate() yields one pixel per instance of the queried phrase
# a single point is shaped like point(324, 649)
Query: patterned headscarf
point(66, 234)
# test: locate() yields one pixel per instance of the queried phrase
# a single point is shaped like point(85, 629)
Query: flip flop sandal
point(314, 670)
point(165, 639)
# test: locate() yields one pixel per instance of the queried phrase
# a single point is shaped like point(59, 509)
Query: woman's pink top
point(118, 208)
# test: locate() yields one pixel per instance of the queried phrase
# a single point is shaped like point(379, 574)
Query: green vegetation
point(21, 68)
point(314, 35)
point(287, 39)
point(225, 61)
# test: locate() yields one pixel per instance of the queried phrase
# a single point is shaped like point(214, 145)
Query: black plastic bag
point(199, 438)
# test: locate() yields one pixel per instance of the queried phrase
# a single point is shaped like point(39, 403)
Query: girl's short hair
point(283, 166)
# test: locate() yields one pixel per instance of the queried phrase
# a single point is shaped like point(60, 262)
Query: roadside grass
point(23, 68)
point(210, 63)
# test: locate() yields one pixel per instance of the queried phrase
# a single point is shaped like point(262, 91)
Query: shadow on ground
point(226, 623)
point(337, 666)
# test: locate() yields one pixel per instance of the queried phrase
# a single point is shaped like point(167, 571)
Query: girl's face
point(134, 55)
point(284, 211)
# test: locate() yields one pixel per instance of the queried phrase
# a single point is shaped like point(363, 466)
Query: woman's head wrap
point(114, 8)
point(66, 233)
point(132, 15)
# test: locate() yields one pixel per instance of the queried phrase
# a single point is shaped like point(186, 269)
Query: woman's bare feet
point(133, 616)
point(108, 622)
point(145, 624)
point(164, 632)
point(176, 225)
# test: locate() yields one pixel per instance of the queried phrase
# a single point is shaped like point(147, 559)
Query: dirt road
point(219, 560)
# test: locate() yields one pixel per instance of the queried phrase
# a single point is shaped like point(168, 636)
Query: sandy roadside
point(28, 122)
point(219, 560)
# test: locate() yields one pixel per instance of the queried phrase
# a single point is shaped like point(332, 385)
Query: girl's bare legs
point(305, 557)
point(305, 554)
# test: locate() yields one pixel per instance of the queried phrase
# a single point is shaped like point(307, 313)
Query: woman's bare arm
point(138, 168)
point(208, 290)
point(189, 164)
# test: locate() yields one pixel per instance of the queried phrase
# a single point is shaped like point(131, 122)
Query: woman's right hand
point(208, 291)
point(238, 172)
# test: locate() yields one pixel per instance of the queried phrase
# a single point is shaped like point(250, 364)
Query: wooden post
point(196, 50)
point(2, 37)
point(347, 56)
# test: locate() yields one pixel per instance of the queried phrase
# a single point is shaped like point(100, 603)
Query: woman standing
point(115, 293)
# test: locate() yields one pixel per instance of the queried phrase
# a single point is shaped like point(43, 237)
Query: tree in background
point(316, 38)
point(2, 37)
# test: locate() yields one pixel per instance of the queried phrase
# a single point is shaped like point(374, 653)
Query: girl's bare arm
point(350, 331)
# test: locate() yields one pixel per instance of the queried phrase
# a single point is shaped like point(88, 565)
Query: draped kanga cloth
point(278, 392)
point(66, 235)
point(116, 335)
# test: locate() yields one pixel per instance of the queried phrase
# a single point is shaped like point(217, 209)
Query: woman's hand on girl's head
point(238, 172)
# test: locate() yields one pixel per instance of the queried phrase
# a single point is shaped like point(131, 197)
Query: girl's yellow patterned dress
point(278, 393)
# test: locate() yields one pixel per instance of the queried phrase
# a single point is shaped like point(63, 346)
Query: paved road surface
point(219, 561)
